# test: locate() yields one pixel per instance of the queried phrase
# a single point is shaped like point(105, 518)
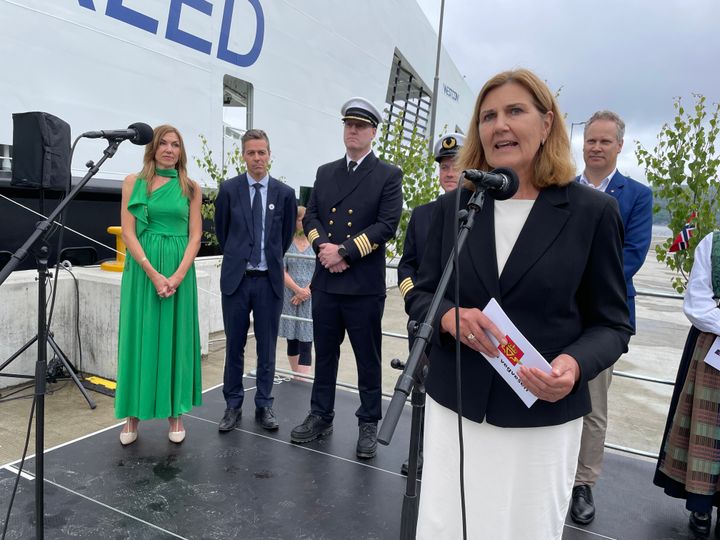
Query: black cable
point(58, 249)
point(458, 355)
point(27, 386)
point(77, 316)
point(19, 473)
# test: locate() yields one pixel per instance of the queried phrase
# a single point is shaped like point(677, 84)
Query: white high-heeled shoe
point(128, 437)
point(176, 436)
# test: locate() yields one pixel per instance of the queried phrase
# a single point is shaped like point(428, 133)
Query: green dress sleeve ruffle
point(137, 205)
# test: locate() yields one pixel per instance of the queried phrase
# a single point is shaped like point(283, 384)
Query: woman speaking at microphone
point(159, 338)
point(552, 258)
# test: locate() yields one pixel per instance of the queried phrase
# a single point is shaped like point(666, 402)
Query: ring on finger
point(471, 336)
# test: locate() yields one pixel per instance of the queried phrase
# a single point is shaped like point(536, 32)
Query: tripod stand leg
point(71, 370)
point(411, 501)
point(18, 352)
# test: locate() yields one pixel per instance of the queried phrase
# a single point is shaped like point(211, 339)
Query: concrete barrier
point(96, 314)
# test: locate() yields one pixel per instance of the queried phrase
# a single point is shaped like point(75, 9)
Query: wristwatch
point(342, 251)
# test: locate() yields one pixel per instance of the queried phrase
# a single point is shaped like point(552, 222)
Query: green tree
point(683, 168)
point(216, 174)
point(409, 151)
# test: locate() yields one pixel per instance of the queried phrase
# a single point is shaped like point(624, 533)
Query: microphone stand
point(411, 380)
point(41, 255)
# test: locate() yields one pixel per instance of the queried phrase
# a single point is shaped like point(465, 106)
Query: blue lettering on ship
point(117, 10)
point(450, 92)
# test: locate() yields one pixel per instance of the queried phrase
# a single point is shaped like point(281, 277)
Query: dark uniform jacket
point(414, 246)
point(361, 211)
point(562, 286)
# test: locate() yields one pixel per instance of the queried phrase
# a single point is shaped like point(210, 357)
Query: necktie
point(257, 225)
point(351, 166)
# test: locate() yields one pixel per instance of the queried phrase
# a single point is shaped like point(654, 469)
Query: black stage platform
point(252, 484)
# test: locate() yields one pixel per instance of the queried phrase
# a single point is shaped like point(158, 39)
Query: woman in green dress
point(159, 338)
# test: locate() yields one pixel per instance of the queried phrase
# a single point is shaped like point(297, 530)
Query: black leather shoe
point(582, 508)
point(312, 427)
point(266, 417)
point(700, 523)
point(229, 419)
point(405, 466)
point(367, 440)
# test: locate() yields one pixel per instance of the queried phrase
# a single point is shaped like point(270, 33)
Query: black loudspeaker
point(41, 151)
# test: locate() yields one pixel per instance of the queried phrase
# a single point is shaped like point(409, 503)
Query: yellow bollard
point(119, 262)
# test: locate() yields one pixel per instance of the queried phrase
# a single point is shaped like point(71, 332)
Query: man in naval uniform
point(353, 210)
point(445, 150)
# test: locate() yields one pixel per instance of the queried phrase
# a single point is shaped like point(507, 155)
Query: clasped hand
point(301, 296)
point(330, 258)
point(166, 287)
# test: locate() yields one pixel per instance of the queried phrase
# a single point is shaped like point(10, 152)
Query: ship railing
point(616, 373)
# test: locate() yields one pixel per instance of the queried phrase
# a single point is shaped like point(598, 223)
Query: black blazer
point(562, 286)
point(414, 246)
point(234, 230)
point(361, 211)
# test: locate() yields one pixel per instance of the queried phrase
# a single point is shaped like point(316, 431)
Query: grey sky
point(630, 56)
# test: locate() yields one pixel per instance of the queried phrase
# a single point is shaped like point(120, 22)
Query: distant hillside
point(662, 217)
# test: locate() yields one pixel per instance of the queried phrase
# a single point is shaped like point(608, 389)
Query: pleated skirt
point(159, 370)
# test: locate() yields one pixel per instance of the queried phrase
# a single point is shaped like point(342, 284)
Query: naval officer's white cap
point(360, 109)
point(448, 145)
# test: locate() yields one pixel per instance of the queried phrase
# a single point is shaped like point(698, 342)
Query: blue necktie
point(257, 225)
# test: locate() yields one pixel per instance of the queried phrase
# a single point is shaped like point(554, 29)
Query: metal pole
point(431, 138)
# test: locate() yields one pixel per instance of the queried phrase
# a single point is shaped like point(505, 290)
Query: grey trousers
point(592, 445)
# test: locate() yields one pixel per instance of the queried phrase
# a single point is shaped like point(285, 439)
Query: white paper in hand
point(713, 355)
point(517, 352)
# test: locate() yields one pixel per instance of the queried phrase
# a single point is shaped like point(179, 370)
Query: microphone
point(501, 184)
point(137, 133)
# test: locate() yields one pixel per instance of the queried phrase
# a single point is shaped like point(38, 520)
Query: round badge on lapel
point(271, 206)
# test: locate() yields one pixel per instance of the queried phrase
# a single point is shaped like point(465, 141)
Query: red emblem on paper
point(511, 351)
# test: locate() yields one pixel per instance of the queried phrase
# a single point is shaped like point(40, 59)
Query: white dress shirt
point(602, 186)
point(699, 305)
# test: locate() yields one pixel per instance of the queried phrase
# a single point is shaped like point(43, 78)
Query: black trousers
point(254, 294)
point(360, 316)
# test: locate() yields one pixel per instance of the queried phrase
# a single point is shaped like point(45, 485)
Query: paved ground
point(637, 409)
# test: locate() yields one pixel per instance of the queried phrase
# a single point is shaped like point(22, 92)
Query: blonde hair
point(554, 165)
point(148, 170)
point(300, 215)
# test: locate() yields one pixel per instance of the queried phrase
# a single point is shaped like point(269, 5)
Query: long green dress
point(159, 338)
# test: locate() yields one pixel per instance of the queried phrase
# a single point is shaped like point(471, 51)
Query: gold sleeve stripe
point(313, 235)
point(363, 244)
point(406, 285)
point(359, 245)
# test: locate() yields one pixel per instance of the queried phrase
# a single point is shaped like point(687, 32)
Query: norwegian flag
point(683, 238)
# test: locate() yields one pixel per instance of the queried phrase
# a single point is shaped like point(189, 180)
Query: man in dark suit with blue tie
point(254, 222)
point(604, 133)
point(354, 209)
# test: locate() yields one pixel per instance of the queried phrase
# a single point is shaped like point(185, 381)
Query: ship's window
point(5, 157)
point(408, 96)
point(237, 111)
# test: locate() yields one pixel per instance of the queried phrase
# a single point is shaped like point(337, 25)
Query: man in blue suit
point(604, 133)
point(254, 222)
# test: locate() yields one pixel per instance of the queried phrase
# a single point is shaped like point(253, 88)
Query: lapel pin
point(271, 206)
